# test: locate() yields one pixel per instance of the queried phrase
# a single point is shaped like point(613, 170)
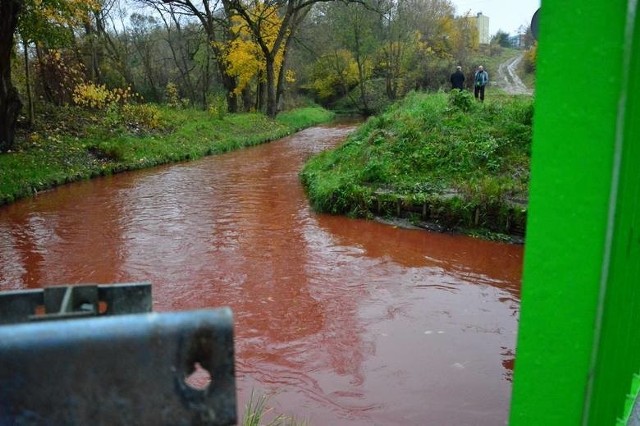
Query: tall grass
point(429, 145)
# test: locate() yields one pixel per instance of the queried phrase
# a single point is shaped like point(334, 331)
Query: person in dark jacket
point(480, 80)
point(457, 79)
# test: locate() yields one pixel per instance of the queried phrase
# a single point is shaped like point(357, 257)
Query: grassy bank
point(440, 159)
point(73, 144)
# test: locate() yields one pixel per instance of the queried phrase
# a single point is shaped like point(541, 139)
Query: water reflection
point(347, 321)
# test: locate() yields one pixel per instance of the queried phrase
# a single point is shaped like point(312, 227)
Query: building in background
point(483, 28)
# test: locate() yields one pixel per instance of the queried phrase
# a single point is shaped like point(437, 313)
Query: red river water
point(339, 321)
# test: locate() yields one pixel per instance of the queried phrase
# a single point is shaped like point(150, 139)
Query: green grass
point(71, 144)
point(440, 157)
point(256, 410)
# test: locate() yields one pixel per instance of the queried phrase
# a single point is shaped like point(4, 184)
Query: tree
point(143, 41)
point(10, 104)
point(526, 37)
point(189, 50)
point(271, 38)
point(354, 28)
point(245, 57)
point(106, 41)
point(502, 39)
point(363, 43)
point(41, 20)
point(468, 38)
point(214, 16)
point(335, 74)
point(51, 25)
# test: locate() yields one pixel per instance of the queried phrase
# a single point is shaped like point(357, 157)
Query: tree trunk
point(232, 101)
point(247, 99)
point(49, 95)
point(9, 100)
point(280, 88)
point(27, 75)
point(361, 74)
point(259, 105)
point(228, 82)
point(282, 72)
point(272, 106)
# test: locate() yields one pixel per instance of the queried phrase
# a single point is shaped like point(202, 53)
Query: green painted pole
point(579, 337)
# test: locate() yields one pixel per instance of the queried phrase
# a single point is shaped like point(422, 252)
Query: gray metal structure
point(114, 367)
point(77, 301)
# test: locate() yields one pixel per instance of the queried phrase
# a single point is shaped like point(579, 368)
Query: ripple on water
point(342, 321)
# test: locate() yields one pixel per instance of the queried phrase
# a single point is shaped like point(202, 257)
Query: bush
point(172, 97)
point(60, 73)
point(218, 107)
point(145, 116)
point(461, 99)
point(97, 96)
point(530, 59)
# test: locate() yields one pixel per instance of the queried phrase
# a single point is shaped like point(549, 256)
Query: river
point(340, 321)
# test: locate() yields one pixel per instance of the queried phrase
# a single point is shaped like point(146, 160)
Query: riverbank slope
point(442, 161)
point(71, 144)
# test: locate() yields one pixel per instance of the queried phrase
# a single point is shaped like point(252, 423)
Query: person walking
point(480, 80)
point(457, 79)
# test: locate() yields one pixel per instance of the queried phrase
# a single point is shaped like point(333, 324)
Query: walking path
point(508, 79)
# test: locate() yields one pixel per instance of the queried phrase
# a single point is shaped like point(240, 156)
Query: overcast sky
point(505, 15)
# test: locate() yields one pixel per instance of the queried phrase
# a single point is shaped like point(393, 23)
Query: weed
point(218, 106)
point(462, 100)
point(256, 409)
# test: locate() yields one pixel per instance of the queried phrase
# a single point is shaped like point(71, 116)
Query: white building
point(483, 28)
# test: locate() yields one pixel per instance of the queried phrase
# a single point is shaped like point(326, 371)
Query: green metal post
point(579, 336)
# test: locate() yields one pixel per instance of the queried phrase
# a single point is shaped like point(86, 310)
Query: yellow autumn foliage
point(172, 97)
point(245, 58)
point(335, 73)
point(290, 76)
point(145, 116)
point(98, 96)
point(63, 12)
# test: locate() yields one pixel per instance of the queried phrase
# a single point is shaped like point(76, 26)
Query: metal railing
point(107, 359)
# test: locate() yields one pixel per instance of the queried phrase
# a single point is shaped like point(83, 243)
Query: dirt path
point(508, 79)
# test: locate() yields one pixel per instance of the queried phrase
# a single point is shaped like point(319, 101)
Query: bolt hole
point(199, 379)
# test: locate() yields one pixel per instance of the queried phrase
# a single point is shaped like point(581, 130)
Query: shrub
point(218, 107)
point(142, 116)
point(530, 59)
point(97, 96)
point(60, 73)
point(461, 99)
point(172, 97)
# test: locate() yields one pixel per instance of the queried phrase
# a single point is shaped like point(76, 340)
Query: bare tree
point(114, 40)
point(183, 53)
point(214, 16)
